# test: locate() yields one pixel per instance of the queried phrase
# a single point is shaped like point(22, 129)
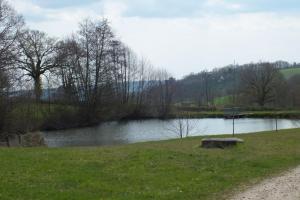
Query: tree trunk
point(38, 88)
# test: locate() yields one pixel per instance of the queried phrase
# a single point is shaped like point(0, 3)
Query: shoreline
point(200, 115)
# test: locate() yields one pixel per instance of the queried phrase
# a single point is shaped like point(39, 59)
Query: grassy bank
point(175, 169)
point(288, 114)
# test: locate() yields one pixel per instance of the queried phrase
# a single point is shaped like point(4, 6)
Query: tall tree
point(68, 71)
point(95, 39)
point(36, 56)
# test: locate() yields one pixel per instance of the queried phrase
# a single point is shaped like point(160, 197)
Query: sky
point(182, 36)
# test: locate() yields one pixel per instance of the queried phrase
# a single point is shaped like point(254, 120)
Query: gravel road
point(284, 187)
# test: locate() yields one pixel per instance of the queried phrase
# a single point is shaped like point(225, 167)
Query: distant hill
point(217, 86)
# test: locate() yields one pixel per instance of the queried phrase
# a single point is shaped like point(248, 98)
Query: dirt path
point(284, 187)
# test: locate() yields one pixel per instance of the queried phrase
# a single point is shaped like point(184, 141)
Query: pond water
point(113, 133)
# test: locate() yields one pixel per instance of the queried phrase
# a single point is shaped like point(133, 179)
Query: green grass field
point(288, 73)
point(221, 101)
point(174, 169)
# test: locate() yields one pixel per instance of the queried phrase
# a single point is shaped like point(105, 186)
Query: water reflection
point(112, 133)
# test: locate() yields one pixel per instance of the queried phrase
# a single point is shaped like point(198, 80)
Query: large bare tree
point(36, 56)
point(260, 82)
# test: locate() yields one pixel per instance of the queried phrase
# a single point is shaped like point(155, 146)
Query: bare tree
point(293, 91)
point(260, 82)
point(10, 25)
point(36, 56)
point(182, 126)
point(94, 69)
point(68, 60)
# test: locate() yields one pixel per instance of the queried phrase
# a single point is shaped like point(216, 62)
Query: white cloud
point(184, 45)
point(223, 4)
point(192, 44)
point(61, 22)
point(26, 6)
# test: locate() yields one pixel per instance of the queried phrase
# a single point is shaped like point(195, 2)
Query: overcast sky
point(183, 36)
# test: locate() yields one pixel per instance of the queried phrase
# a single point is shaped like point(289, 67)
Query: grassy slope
point(288, 73)
point(175, 169)
point(225, 100)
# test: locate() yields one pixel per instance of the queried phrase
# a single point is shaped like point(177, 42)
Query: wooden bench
point(220, 142)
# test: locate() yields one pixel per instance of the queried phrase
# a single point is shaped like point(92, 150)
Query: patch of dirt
point(284, 187)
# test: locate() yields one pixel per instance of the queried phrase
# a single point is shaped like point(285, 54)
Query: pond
point(113, 133)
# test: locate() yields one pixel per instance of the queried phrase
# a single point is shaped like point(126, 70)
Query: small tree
point(182, 126)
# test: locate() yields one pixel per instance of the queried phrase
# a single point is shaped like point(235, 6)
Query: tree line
point(85, 78)
point(253, 86)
